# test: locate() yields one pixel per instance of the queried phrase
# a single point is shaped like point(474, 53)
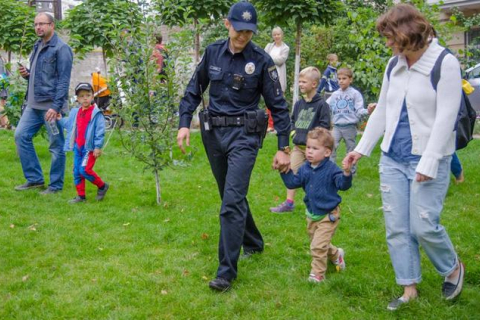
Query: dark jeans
point(232, 154)
point(456, 166)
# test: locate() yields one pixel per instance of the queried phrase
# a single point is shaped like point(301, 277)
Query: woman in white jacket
point(417, 123)
point(278, 50)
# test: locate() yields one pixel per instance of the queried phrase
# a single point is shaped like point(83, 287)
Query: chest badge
point(250, 68)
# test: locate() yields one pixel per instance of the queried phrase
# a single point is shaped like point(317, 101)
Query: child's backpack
point(466, 115)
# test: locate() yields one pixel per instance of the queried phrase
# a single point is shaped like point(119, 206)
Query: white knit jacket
point(432, 114)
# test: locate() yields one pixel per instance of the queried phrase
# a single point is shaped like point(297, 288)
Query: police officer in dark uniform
point(233, 128)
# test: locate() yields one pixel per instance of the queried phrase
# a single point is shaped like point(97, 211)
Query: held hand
point(371, 107)
point(346, 169)
point(350, 159)
point(281, 162)
point(23, 71)
point(51, 115)
point(183, 134)
point(421, 177)
point(97, 153)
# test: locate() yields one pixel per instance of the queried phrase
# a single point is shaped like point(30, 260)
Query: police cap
point(243, 16)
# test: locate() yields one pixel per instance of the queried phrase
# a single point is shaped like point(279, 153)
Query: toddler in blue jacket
point(329, 83)
point(85, 135)
point(321, 179)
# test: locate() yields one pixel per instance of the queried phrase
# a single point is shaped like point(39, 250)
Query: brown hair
point(405, 26)
point(159, 38)
point(346, 72)
point(47, 15)
point(323, 136)
point(312, 73)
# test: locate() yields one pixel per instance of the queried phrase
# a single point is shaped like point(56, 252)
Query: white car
point(473, 77)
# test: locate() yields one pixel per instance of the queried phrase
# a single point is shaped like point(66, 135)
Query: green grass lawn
point(127, 258)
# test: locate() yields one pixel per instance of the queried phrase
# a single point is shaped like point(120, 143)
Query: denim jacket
point(53, 69)
point(95, 130)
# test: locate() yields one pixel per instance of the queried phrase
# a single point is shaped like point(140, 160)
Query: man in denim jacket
point(48, 83)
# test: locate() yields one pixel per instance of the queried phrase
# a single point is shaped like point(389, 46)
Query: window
point(475, 73)
point(473, 45)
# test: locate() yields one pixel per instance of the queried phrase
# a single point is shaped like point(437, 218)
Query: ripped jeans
point(412, 218)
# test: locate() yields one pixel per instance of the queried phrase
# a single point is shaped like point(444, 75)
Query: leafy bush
point(16, 87)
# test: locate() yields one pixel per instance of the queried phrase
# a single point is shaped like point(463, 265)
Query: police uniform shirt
point(236, 83)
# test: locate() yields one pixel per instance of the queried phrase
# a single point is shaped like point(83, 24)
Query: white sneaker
point(340, 262)
point(315, 279)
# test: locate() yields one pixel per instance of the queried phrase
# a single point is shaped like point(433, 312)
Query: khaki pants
point(3, 118)
point(321, 233)
point(297, 158)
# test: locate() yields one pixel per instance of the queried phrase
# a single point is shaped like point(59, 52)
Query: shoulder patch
point(272, 72)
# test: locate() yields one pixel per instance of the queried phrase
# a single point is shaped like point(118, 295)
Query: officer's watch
point(285, 149)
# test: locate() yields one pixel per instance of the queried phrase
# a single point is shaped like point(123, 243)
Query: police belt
point(235, 121)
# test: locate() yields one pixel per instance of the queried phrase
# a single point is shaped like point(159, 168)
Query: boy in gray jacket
point(347, 109)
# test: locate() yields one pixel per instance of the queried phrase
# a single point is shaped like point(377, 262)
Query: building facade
point(463, 40)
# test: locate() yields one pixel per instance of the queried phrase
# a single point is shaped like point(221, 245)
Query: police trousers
point(232, 153)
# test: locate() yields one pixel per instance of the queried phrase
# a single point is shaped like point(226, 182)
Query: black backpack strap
point(437, 69)
point(391, 65)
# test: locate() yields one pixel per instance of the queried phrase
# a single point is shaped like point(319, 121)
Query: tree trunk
point(298, 42)
point(104, 57)
point(9, 56)
point(197, 41)
point(157, 185)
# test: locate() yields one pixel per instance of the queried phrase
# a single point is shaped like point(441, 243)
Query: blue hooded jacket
point(95, 130)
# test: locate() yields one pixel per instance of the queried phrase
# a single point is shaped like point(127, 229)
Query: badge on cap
point(247, 16)
point(250, 68)
point(272, 72)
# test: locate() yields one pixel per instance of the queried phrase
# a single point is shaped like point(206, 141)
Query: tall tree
point(17, 33)
point(363, 49)
point(97, 23)
point(181, 12)
point(282, 12)
point(145, 99)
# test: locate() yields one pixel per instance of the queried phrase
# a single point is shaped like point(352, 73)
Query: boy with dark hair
point(321, 179)
point(85, 135)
